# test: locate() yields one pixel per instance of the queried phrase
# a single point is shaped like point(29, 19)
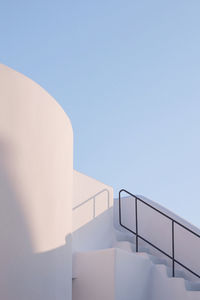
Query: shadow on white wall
point(21, 268)
point(24, 274)
point(91, 208)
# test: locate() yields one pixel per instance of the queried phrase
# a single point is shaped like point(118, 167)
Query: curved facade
point(36, 180)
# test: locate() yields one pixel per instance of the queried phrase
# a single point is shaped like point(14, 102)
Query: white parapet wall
point(36, 181)
point(92, 213)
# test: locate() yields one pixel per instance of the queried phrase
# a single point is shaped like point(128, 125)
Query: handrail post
point(136, 224)
point(94, 208)
point(173, 263)
point(120, 222)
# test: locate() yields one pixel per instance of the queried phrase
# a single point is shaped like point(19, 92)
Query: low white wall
point(95, 275)
point(132, 276)
point(112, 274)
point(158, 229)
point(92, 213)
point(36, 178)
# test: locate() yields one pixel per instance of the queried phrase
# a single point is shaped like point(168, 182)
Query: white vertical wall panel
point(36, 178)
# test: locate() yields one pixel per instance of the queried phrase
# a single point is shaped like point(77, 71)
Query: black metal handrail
point(172, 257)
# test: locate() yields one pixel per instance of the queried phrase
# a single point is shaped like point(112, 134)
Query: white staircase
point(111, 274)
point(121, 273)
point(163, 285)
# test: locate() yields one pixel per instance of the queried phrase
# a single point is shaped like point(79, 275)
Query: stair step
point(192, 285)
point(128, 246)
point(125, 245)
point(194, 295)
point(124, 235)
point(182, 283)
point(157, 260)
point(167, 288)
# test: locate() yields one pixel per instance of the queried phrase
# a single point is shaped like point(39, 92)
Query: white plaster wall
point(158, 230)
point(92, 213)
point(36, 178)
point(112, 274)
point(133, 276)
point(95, 276)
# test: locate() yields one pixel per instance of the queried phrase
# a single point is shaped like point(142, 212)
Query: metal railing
point(138, 236)
point(93, 199)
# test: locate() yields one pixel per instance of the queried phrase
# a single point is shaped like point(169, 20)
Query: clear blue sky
point(128, 75)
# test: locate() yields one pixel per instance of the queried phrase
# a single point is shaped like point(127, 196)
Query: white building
point(60, 235)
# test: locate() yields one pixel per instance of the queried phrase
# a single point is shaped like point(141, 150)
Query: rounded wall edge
point(17, 75)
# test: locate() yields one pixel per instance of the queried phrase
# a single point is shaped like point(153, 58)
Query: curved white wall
point(36, 180)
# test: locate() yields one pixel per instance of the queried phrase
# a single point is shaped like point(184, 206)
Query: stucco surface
point(36, 177)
